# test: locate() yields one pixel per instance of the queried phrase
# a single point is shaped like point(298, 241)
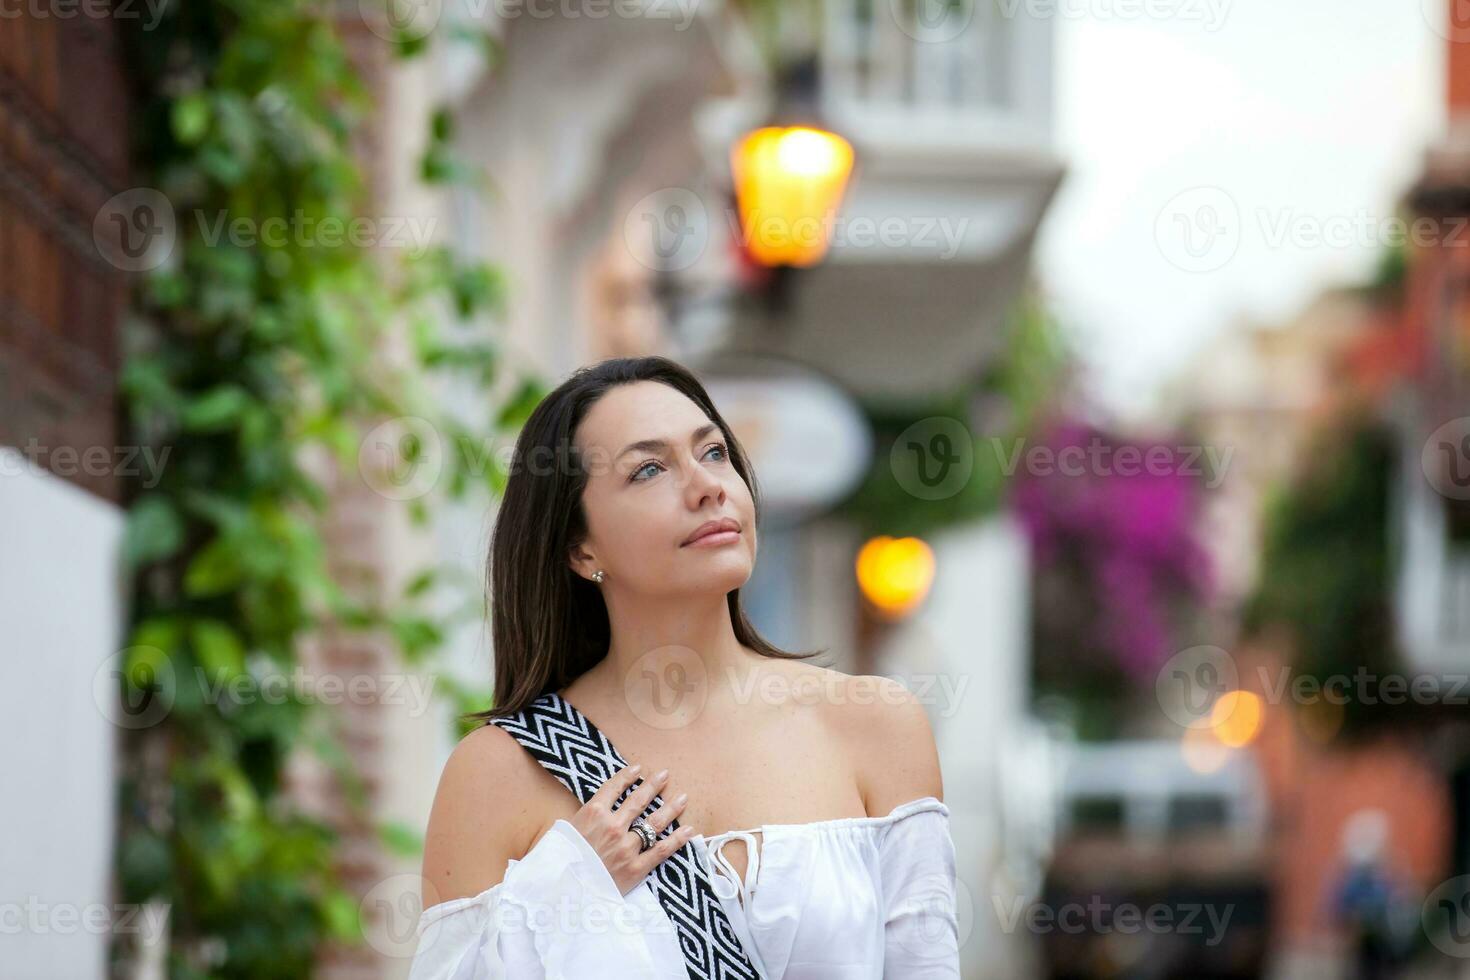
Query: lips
point(712, 527)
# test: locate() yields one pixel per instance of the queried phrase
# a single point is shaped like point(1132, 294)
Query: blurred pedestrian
point(1367, 900)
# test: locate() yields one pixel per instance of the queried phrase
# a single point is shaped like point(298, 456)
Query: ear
point(581, 561)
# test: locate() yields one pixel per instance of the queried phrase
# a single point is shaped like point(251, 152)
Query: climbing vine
point(260, 353)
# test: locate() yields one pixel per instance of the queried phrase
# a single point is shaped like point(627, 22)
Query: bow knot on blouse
point(728, 884)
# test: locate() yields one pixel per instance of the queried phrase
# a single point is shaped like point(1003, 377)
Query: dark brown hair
point(548, 624)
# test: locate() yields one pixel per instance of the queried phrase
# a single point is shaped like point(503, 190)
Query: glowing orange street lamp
point(789, 182)
point(895, 574)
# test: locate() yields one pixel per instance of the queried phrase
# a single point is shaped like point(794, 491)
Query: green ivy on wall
point(1326, 571)
point(245, 355)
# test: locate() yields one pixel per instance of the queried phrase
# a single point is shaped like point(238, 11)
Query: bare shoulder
point(491, 805)
point(891, 738)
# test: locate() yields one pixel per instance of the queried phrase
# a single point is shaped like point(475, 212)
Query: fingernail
point(635, 767)
point(662, 774)
point(681, 798)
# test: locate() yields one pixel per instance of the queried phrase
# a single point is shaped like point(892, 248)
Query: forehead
point(640, 410)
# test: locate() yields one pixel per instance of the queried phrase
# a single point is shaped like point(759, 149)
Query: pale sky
point(1301, 118)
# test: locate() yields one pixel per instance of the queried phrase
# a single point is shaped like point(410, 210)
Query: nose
point(704, 485)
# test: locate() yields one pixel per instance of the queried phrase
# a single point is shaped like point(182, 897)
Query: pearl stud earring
point(597, 576)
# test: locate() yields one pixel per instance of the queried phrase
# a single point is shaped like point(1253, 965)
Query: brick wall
point(63, 154)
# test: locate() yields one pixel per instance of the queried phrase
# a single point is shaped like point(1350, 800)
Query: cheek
point(633, 523)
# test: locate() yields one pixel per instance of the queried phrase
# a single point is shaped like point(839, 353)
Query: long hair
point(548, 624)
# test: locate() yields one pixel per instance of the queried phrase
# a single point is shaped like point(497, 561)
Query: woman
point(627, 528)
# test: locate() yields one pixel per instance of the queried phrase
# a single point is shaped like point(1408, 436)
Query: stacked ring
point(646, 835)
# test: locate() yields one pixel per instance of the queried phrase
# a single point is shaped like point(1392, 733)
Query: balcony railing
point(960, 68)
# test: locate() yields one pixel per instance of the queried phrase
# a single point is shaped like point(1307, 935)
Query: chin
point(722, 575)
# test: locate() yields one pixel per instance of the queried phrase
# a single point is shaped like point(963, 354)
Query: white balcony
point(921, 73)
point(1433, 588)
point(950, 117)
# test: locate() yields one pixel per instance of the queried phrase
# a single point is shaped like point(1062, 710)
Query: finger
point(613, 788)
point(659, 853)
point(639, 799)
point(668, 813)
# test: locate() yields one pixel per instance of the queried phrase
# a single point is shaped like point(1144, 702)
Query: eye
point(720, 446)
point(633, 477)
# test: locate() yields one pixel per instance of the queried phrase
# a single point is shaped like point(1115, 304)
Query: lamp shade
point(895, 574)
point(789, 182)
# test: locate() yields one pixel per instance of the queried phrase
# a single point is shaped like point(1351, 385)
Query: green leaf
point(407, 45)
point(340, 913)
point(401, 839)
point(190, 118)
point(416, 634)
point(154, 531)
point(163, 632)
point(220, 408)
point(215, 569)
point(148, 666)
point(145, 864)
point(420, 583)
point(217, 647)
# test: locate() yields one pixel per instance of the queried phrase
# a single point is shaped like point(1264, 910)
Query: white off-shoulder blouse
point(856, 898)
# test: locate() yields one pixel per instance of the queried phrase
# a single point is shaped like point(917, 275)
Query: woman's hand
point(607, 830)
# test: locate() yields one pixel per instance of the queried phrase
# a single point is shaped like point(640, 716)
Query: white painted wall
point(61, 608)
point(969, 643)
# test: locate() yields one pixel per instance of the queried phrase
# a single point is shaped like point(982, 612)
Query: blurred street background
point(1105, 366)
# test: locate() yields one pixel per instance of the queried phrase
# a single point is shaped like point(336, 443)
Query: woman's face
point(643, 502)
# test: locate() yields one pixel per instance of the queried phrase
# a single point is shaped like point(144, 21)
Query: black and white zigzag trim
point(571, 748)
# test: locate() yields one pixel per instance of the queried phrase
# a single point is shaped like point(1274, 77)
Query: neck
point(661, 643)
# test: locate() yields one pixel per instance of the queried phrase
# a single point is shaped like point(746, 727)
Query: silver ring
point(646, 835)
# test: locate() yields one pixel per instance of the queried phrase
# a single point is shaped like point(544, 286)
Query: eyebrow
point(661, 445)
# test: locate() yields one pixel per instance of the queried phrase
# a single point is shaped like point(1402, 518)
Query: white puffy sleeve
point(921, 925)
point(557, 915)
